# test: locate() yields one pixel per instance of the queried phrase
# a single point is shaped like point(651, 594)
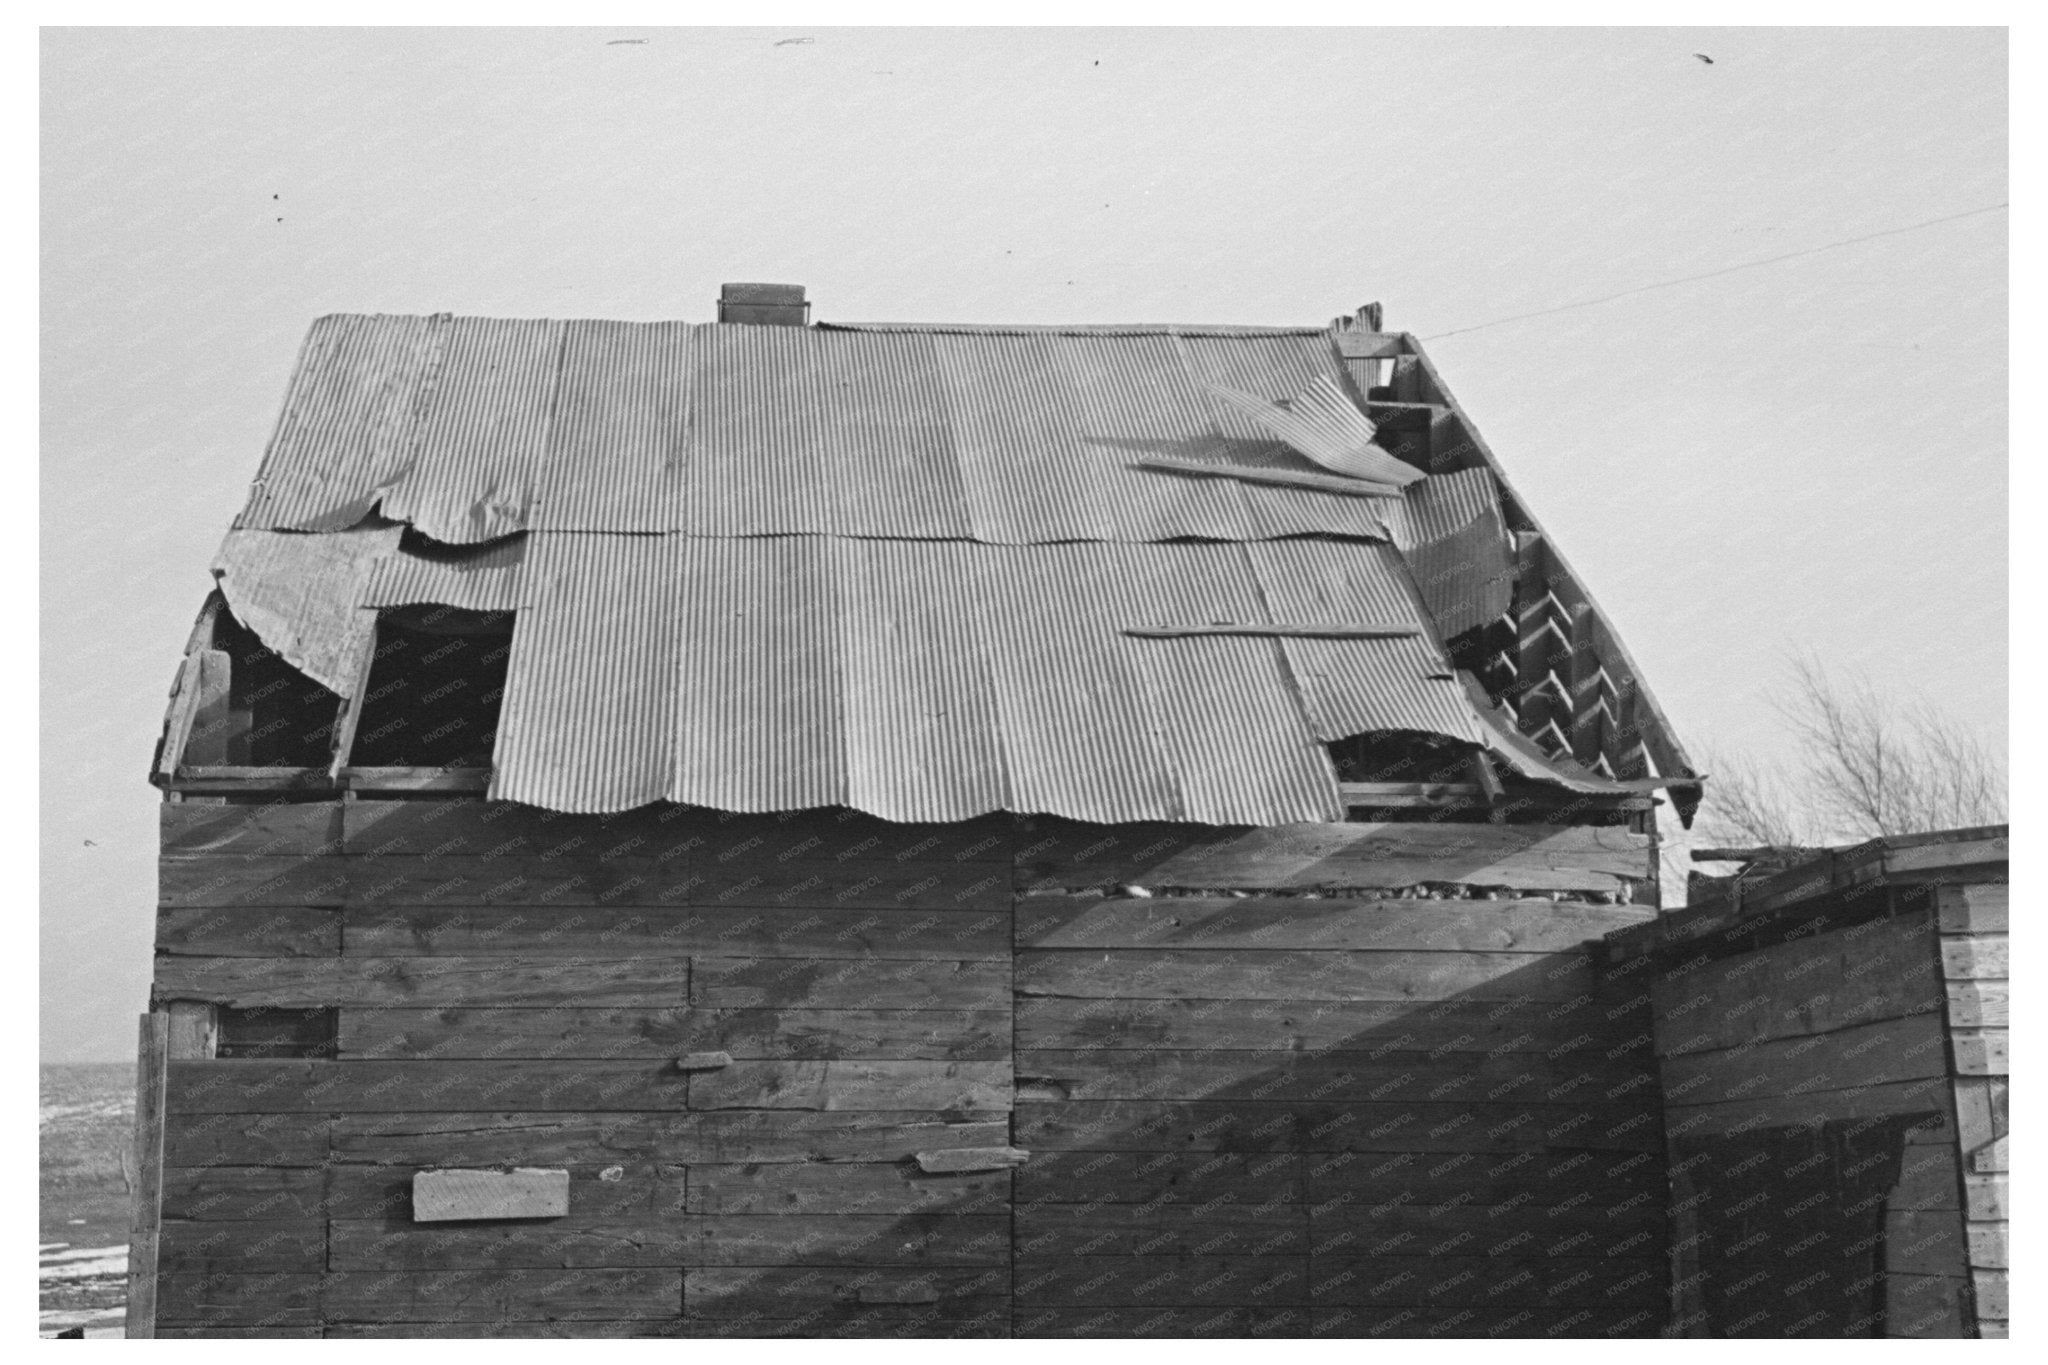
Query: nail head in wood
point(1992, 1158)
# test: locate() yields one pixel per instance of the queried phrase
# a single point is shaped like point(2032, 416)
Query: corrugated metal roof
point(468, 429)
point(884, 567)
point(480, 431)
point(1075, 329)
point(1325, 425)
point(1451, 532)
point(488, 579)
point(937, 680)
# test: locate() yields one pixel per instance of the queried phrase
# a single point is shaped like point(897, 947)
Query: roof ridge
point(1215, 329)
point(1099, 329)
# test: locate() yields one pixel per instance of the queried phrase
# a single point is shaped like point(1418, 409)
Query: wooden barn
point(767, 828)
point(1832, 1051)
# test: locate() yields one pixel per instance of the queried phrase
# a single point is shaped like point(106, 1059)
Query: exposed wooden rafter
point(1606, 717)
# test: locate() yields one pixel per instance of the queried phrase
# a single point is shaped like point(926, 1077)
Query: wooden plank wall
point(1252, 1112)
point(514, 988)
point(1253, 1103)
point(1842, 1023)
point(1974, 957)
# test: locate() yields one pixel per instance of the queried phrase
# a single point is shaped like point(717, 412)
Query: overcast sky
point(1808, 454)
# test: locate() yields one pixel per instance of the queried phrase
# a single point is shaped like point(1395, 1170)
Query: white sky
point(1807, 454)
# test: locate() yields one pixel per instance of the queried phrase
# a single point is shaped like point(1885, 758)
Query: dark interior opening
point(436, 684)
point(1488, 653)
point(1401, 756)
point(265, 1031)
point(276, 716)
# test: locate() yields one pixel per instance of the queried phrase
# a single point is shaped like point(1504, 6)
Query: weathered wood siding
point(1272, 1095)
point(1257, 1113)
point(1974, 954)
point(1840, 1019)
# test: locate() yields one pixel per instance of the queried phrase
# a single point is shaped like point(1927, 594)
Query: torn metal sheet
point(1325, 425)
point(1352, 687)
point(1524, 756)
point(302, 594)
point(345, 435)
point(1307, 630)
point(487, 578)
point(481, 429)
point(894, 568)
point(1451, 532)
point(313, 598)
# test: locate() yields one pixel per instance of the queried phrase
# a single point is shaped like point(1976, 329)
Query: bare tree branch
point(1749, 804)
point(1867, 766)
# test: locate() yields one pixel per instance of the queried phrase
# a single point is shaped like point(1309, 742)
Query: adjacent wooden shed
point(768, 829)
point(1831, 1044)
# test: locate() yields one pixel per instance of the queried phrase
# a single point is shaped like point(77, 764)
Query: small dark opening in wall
point(1401, 756)
point(276, 716)
point(266, 1031)
point(436, 685)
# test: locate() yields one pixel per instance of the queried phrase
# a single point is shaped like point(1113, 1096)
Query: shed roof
point(888, 567)
point(1818, 884)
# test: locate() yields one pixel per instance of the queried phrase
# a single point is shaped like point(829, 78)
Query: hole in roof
point(273, 716)
point(437, 684)
point(1401, 756)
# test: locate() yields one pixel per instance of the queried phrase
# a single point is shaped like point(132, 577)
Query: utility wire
point(1711, 274)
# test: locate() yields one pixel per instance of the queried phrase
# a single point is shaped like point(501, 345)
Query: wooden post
point(1489, 786)
point(151, 1057)
point(215, 730)
point(351, 713)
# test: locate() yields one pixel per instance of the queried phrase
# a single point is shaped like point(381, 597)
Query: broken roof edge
point(1110, 329)
point(1685, 797)
point(1527, 758)
point(1970, 855)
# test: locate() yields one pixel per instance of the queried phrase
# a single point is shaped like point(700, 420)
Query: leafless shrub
point(1865, 765)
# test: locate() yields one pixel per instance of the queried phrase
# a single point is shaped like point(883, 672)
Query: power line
point(1724, 270)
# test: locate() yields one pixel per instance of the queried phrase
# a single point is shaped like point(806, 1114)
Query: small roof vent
point(765, 305)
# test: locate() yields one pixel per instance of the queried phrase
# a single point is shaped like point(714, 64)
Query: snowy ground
point(81, 1286)
point(87, 1113)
